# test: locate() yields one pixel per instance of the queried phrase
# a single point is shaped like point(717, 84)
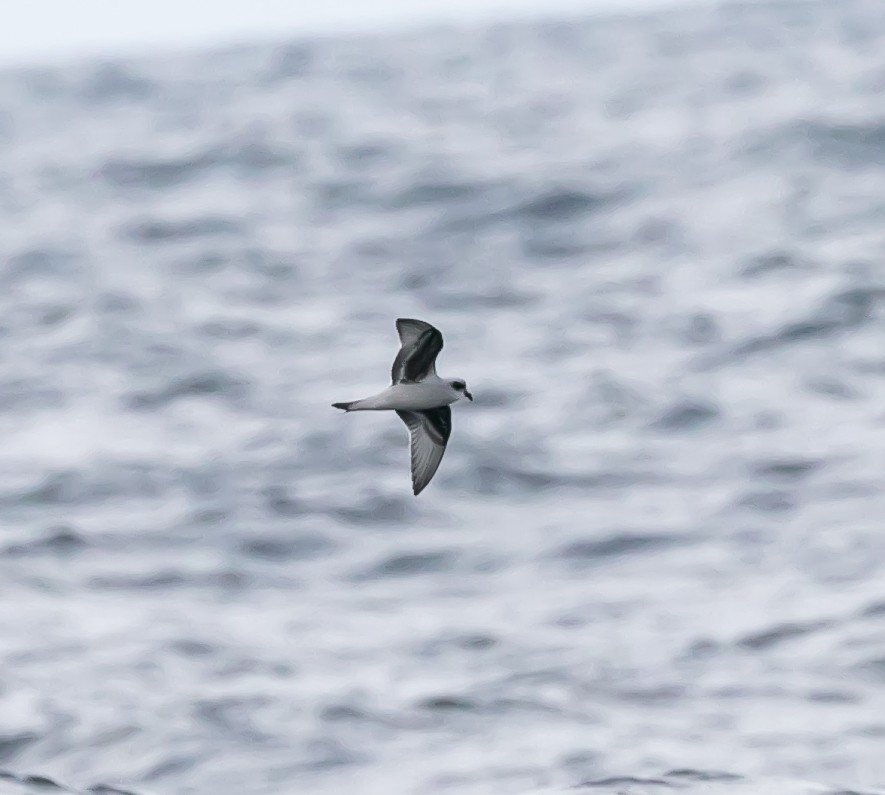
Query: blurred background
point(652, 236)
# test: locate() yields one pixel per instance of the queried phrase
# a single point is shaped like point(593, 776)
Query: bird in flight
point(419, 396)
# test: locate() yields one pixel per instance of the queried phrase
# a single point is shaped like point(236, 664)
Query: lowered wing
point(429, 431)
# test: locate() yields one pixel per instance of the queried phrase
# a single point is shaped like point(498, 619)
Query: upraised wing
point(429, 431)
point(420, 344)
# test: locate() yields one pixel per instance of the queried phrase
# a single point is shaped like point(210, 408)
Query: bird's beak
point(468, 395)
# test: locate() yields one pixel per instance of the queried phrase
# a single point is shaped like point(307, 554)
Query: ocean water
point(653, 558)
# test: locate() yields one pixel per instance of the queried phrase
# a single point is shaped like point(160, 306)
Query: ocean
point(653, 558)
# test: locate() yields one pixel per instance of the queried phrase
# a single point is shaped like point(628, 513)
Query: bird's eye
point(458, 385)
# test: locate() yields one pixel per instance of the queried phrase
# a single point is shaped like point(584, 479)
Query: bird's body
point(429, 394)
point(419, 396)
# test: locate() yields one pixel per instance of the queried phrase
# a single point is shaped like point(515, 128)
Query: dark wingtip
point(342, 406)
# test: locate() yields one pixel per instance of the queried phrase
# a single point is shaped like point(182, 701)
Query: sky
point(37, 31)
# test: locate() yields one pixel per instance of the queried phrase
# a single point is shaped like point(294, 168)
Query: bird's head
point(460, 386)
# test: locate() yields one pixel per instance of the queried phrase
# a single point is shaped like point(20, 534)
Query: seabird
point(419, 396)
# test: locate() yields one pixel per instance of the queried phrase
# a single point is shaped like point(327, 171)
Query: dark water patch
point(652, 695)
point(617, 782)
point(774, 501)
point(549, 208)
point(110, 478)
point(327, 753)
point(870, 366)
point(203, 263)
point(290, 62)
point(377, 510)
point(117, 303)
point(689, 774)
point(297, 546)
point(509, 705)
point(851, 792)
point(160, 580)
point(345, 194)
point(460, 225)
point(686, 415)
point(11, 745)
point(615, 546)
point(664, 233)
point(55, 488)
point(480, 299)
point(115, 83)
point(249, 158)
point(42, 82)
point(156, 173)
point(430, 193)
point(171, 766)
point(230, 329)
point(852, 145)
point(41, 783)
point(832, 388)
point(55, 315)
point(702, 649)
point(771, 262)
point(163, 173)
point(193, 649)
point(622, 325)
point(384, 250)
point(475, 642)
point(495, 479)
point(107, 789)
point(60, 540)
point(410, 564)
point(571, 621)
point(745, 82)
point(698, 328)
point(874, 610)
point(844, 310)
point(560, 205)
point(537, 246)
point(343, 713)
point(159, 231)
point(448, 704)
point(365, 155)
point(170, 579)
point(788, 470)
point(580, 759)
point(489, 479)
point(793, 332)
point(769, 420)
point(281, 502)
point(215, 384)
point(874, 669)
point(781, 633)
point(37, 264)
point(833, 697)
point(232, 715)
point(851, 307)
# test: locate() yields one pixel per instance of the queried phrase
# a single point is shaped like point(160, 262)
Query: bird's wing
point(420, 344)
point(429, 431)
